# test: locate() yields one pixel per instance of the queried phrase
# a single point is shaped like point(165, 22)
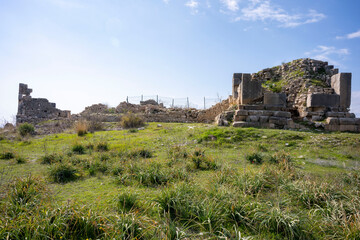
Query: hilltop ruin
point(302, 93)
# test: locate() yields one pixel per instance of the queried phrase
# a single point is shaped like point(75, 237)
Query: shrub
point(78, 148)
point(254, 158)
point(283, 159)
point(81, 127)
point(63, 173)
point(202, 162)
point(102, 147)
point(126, 202)
point(20, 160)
point(130, 120)
point(50, 159)
point(141, 152)
point(26, 129)
point(7, 155)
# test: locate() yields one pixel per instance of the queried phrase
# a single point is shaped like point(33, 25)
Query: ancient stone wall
point(35, 110)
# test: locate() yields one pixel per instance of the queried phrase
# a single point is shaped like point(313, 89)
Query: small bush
point(130, 120)
point(63, 173)
point(26, 129)
point(81, 127)
point(78, 148)
point(126, 202)
point(7, 155)
point(50, 159)
point(102, 147)
point(202, 162)
point(254, 158)
point(20, 160)
point(141, 152)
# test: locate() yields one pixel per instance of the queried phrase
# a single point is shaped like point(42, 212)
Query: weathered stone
point(229, 115)
point(357, 121)
point(332, 121)
point(317, 118)
point(346, 121)
point(282, 114)
point(252, 118)
point(275, 99)
point(321, 100)
point(249, 90)
point(349, 128)
point(268, 113)
point(341, 83)
point(290, 123)
point(275, 108)
point(278, 120)
point(350, 115)
point(255, 112)
point(252, 107)
point(239, 124)
point(241, 112)
point(149, 102)
point(235, 84)
point(240, 118)
point(264, 119)
point(332, 128)
point(335, 114)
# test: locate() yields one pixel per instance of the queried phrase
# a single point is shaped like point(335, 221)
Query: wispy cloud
point(232, 5)
point(328, 53)
point(166, 1)
point(264, 10)
point(350, 35)
point(193, 5)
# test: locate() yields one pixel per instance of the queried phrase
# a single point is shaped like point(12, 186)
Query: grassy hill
point(181, 181)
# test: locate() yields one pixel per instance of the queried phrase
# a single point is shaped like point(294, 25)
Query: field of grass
point(181, 181)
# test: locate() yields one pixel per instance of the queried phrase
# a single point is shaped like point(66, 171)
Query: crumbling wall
point(35, 110)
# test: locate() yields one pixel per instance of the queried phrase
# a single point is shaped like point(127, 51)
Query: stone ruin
point(35, 110)
point(300, 94)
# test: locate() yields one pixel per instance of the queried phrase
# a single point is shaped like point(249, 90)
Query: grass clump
point(130, 120)
point(78, 148)
point(202, 162)
point(81, 128)
point(127, 202)
point(63, 173)
point(141, 153)
point(102, 147)
point(20, 160)
point(25, 129)
point(254, 158)
point(7, 155)
point(50, 159)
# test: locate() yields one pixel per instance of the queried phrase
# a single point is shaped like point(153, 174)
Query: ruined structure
point(35, 110)
point(298, 94)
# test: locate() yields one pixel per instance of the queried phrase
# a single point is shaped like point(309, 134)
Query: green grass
point(187, 180)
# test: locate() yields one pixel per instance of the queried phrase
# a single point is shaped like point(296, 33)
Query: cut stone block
point(349, 128)
point(252, 107)
point(264, 119)
point(275, 99)
point(249, 90)
point(332, 128)
point(357, 121)
point(235, 85)
point(241, 113)
point(282, 114)
point(255, 112)
point(239, 118)
point(350, 115)
point(239, 124)
point(278, 120)
point(341, 83)
point(252, 118)
point(332, 121)
point(323, 100)
point(347, 121)
point(335, 114)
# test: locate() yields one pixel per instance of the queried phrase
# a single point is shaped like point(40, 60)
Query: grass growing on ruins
point(178, 181)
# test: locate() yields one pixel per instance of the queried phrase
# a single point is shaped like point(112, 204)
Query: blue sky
point(81, 52)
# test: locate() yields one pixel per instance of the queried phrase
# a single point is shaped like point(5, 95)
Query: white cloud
point(350, 35)
point(355, 103)
point(166, 1)
point(329, 54)
point(193, 5)
point(232, 5)
point(258, 10)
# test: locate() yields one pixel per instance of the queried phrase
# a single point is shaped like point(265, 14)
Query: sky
point(81, 52)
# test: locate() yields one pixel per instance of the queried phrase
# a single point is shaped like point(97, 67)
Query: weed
point(25, 129)
point(141, 152)
point(127, 202)
point(78, 148)
point(7, 155)
point(130, 120)
point(50, 159)
point(102, 147)
point(81, 127)
point(20, 160)
point(63, 173)
point(254, 158)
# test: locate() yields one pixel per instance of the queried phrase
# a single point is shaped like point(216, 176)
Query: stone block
point(275, 108)
point(350, 115)
point(275, 99)
point(255, 112)
point(349, 128)
point(239, 124)
point(235, 85)
point(290, 123)
point(268, 113)
point(239, 118)
point(341, 83)
point(278, 120)
point(317, 118)
point(332, 121)
point(336, 114)
point(252, 118)
point(332, 128)
point(264, 119)
point(246, 124)
point(282, 114)
point(357, 121)
point(323, 100)
point(249, 89)
point(241, 112)
point(252, 107)
point(347, 121)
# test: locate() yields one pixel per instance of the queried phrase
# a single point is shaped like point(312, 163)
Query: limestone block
point(335, 114)
point(278, 120)
point(357, 121)
point(264, 119)
point(235, 85)
point(290, 123)
point(341, 83)
point(252, 107)
point(350, 115)
point(349, 128)
point(229, 115)
point(332, 128)
point(282, 114)
point(317, 118)
point(252, 118)
point(241, 112)
point(239, 124)
point(255, 112)
point(347, 121)
point(239, 118)
point(332, 121)
point(249, 89)
point(275, 108)
point(275, 99)
point(268, 113)
point(322, 100)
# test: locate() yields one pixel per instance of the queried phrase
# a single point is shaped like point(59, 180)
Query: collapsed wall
point(35, 110)
point(304, 92)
